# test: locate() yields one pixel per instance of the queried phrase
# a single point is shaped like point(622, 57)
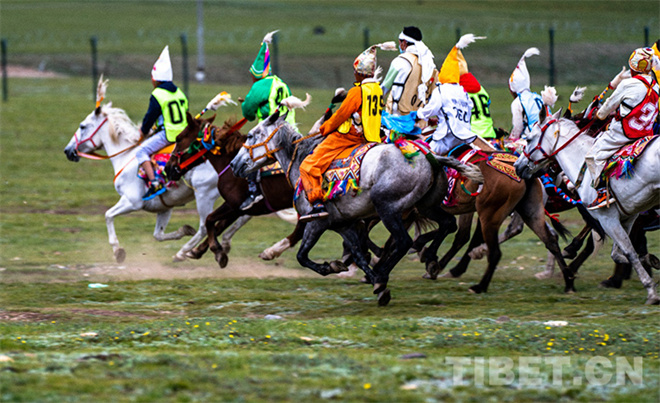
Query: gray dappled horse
point(390, 187)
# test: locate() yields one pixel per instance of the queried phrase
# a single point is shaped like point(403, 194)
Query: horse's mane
point(120, 125)
point(305, 147)
point(232, 141)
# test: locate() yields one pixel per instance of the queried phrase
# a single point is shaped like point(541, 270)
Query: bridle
point(269, 153)
point(538, 147)
point(93, 155)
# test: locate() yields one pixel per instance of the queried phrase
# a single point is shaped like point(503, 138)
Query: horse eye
point(82, 127)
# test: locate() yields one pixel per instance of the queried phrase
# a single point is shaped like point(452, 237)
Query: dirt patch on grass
point(12, 316)
point(28, 72)
point(238, 268)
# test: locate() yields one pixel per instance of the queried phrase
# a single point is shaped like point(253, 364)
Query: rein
point(269, 153)
point(93, 155)
point(538, 146)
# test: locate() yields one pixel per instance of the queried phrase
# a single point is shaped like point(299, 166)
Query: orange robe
point(335, 143)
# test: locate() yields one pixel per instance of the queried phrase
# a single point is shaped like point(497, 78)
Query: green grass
point(192, 332)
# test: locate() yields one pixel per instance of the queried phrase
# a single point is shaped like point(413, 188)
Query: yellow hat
point(454, 63)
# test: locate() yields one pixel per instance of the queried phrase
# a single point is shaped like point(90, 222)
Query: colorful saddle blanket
point(623, 162)
point(158, 161)
point(411, 148)
point(343, 175)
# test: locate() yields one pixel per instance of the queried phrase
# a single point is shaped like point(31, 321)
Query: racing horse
point(561, 140)
point(201, 141)
point(499, 196)
point(111, 129)
point(390, 187)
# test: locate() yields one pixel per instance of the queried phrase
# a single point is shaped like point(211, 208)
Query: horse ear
point(543, 114)
point(273, 118)
point(557, 114)
point(211, 119)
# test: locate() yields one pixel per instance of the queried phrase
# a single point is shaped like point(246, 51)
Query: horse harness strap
point(543, 131)
point(96, 156)
point(269, 153)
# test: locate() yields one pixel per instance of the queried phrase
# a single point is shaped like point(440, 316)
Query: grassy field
point(273, 331)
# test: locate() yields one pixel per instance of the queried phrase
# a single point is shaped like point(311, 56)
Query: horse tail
point(560, 228)
point(470, 171)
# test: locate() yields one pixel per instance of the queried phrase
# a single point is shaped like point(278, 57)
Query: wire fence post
point(5, 89)
point(458, 34)
point(95, 68)
point(200, 74)
point(646, 36)
point(184, 52)
point(552, 57)
point(365, 34)
point(275, 59)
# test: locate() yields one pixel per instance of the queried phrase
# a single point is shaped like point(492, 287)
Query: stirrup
point(251, 201)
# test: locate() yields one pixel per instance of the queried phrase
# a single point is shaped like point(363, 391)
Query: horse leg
point(462, 265)
point(571, 251)
point(490, 225)
point(514, 228)
point(204, 198)
point(216, 222)
point(313, 231)
point(162, 219)
point(229, 233)
point(400, 245)
point(284, 244)
point(198, 251)
point(433, 266)
point(355, 239)
point(123, 206)
point(619, 235)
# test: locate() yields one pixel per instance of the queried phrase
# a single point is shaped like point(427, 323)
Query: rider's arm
point(517, 124)
point(255, 99)
point(152, 115)
point(432, 108)
point(350, 105)
point(623, 90)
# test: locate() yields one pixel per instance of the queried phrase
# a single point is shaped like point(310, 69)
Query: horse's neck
point(124, 149)
point(571, 158)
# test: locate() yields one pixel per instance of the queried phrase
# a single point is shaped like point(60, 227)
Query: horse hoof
point(352, 269)
point(379, 287)
point(265, 256)
point(365, 280)
point(476, 289)
point(428, 276)
point(448, 275)
point(384, 297)
point(179, 257)
point(120, 255)
point(226, 247)
point(337, 266)
point(610, 283)
point(477, 253)
point(543, 275)
point(570, 291)
point(651, 261)
point(655, 300)
point(188, 230)
point(223, 260)
point(192, 255)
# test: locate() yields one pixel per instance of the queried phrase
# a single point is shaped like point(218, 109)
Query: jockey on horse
point(634, 103)
point(357, 121)
point(267, 91)
point(167, 107)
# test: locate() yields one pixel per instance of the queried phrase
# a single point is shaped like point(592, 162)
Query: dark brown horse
point(222, 144)
point(494, 202)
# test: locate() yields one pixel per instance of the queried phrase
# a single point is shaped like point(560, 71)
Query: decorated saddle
point(158, 161)
point(272, 169)
point(622, 163)
point(343, 175)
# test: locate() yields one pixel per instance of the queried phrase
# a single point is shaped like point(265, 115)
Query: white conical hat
point(519, 80)
point(162, 70)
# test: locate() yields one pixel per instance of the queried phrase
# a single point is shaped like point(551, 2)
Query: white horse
point(562, 140)
point(111, 129)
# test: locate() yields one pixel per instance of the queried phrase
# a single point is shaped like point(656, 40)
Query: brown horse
point(500, 195)
point(225, 142)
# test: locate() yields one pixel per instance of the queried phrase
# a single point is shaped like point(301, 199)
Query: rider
point(264, 97)
point(411, 75)
point(356, 122)
point(526, 105)
point(167, 108)
point(481, 122)
point(451, 104)
point(635, 103)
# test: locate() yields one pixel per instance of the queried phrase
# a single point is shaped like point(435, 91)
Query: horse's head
point(87, 137)
point(261, 144)
point(541, 145)
point(188, 144)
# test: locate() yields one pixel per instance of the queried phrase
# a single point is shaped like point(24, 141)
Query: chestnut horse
point(494, 202)
point(226, 142)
